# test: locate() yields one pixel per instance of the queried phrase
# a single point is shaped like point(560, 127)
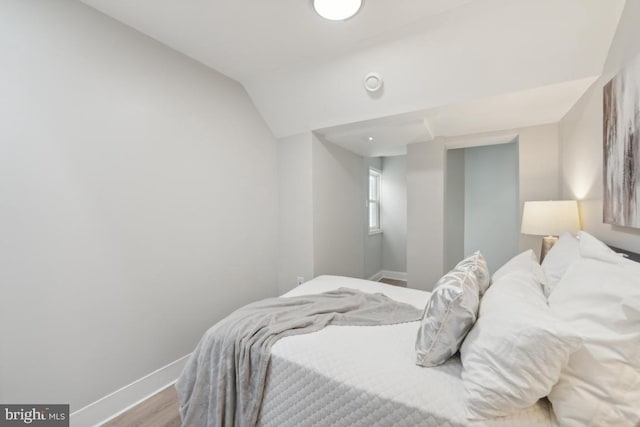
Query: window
point(375, 179)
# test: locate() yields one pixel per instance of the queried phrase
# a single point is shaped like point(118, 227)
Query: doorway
point(482, 203)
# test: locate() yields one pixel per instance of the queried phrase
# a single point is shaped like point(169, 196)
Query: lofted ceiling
point(244, 38)
point(450, 67)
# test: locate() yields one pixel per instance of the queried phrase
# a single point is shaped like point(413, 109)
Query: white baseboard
point(395, 275)
point(387, 274)
point(114, 404)
point(376, 276)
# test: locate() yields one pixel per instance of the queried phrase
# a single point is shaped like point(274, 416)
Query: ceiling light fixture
point(370, 138)
point(337, 10)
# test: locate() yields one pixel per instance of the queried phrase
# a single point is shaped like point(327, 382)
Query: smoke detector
point(373, 82)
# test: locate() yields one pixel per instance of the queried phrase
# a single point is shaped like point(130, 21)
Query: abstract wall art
point(621, 127)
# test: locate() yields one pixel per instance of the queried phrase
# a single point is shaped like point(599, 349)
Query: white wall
point(338, 206)
point(427, 227)
point(323, 217)
point(581, 139)
point(539, 166)
point(296, 211)
point(372, 243)
point(491, 205)
point(138, 203)
point(394, 213)
point(425, 207)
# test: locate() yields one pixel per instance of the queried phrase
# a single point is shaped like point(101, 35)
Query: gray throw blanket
point(223, 381)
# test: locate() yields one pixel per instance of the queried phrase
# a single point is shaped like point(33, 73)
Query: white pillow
point(600, 386)
point(451, 311)
point(514, 353)
point(590, 247)
point(565, 252)
point(477, 265)
point(526, 261)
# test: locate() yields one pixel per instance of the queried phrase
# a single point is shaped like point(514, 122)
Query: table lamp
point(549, 219)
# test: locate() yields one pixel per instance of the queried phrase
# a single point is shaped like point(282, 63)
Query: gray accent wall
point(138, 203)
point(491, 202)
point(394, 213)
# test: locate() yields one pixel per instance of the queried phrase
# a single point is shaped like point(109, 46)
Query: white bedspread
point(367, 376)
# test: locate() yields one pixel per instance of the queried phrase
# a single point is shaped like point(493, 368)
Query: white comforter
point(367, 376)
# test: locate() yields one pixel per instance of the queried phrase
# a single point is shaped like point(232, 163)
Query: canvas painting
point(622, 147)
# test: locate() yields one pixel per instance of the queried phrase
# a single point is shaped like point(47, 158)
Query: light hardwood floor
point(160, 410)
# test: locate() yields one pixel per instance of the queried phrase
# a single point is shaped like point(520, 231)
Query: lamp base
point(547, 244)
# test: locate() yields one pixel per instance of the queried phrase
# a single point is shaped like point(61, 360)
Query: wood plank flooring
point(160, 410)
point(393, 282)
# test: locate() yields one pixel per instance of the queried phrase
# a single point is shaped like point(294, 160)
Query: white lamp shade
point(550, 218)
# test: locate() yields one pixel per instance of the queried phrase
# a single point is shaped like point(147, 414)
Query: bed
point(584, 293)
point(367, 376)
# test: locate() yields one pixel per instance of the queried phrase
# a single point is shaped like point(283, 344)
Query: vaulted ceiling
point(462, 65)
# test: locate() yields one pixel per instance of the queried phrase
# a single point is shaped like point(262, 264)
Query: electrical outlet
point(300, 280)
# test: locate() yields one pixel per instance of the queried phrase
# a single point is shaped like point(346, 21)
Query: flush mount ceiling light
point(337, 10)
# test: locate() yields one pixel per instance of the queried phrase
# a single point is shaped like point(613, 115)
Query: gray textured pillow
point(450, 313)
point(478, 265)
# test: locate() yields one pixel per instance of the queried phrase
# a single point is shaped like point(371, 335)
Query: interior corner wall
point(138, 203)
point(394, 214)
point(581, 152)
point(538, 179)
point(425, 211)
point(372, 242)
point(338, 210)
point(538, 154)
point(454, 208)
point(295, 231)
